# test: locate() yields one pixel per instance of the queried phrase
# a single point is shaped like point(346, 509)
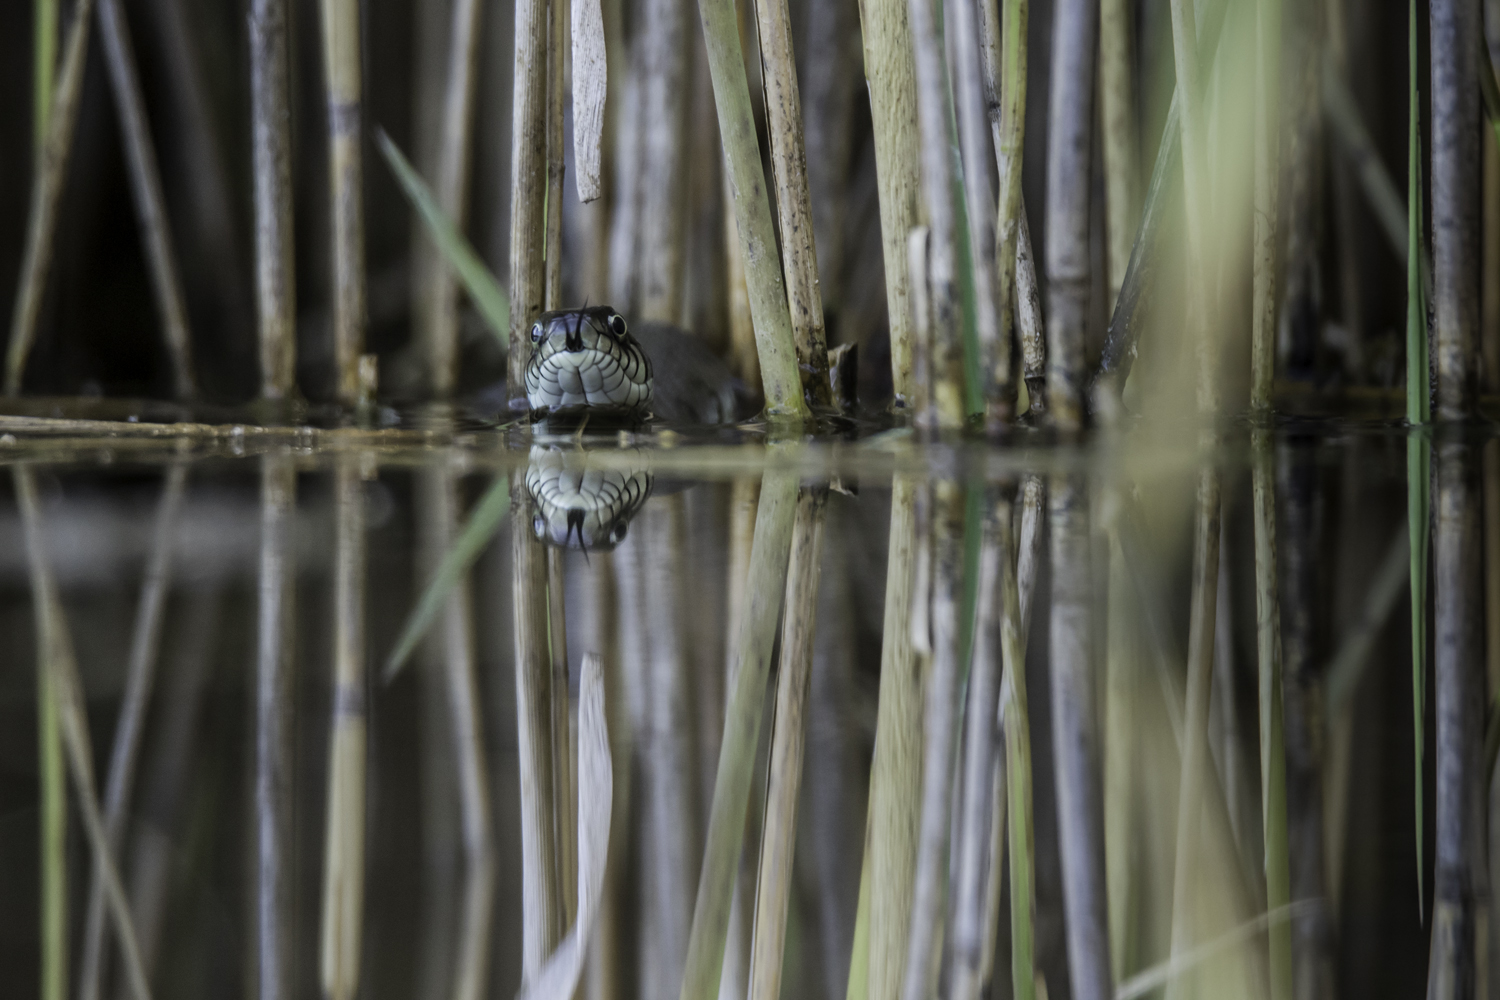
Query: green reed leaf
point(483, 289)
point(483, 523)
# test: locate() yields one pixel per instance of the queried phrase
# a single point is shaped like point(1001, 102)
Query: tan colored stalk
point(271, 145)
point(934, 110)
point(590, 85)
point(452, 190)
point(145, 187)
point(788, 736)
point(562, 742)
point(557, 49)
point(997, 380)
point(742, 354)
point(921, 403)
point(541, 906)
point(1030, 329)
point(1069, 180)
point(55, 646)
point(342, 77)
point(528, 180)
point(726, 825)
point(344, 829)
point(664, 67)
point(140, 675)
point(1121, 147)
point(793, 202)
point(890, 73)
point(895, 773)
point(774, 342)
point(46, 192)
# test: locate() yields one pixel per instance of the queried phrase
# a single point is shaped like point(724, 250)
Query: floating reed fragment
point(271, 142)
point(788, 736)
point(344, 827)
point(140, 675)
point(726, 824)
point(274, 719)
point(55, 646)
point(46, 192)
point(342, 77)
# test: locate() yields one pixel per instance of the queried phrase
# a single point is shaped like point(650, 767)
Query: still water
point(799, 664)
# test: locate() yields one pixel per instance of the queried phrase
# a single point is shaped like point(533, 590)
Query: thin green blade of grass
point(1418, 412)
point(483, 523)
point(481, 285)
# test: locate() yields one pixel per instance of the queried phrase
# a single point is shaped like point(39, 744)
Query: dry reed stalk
point(140, 675)
point(605, 976)
point(1455, 223)
point(793, 201)
point(995, 377)
point(890, 73)
point(726, 825)
point(1070, 128)
point(976, 875)
point(1015, 589)
point(557, 81)
point(664, 67)
point(788, 736)
point(55, 646)
point(1272, 742)
point(743, 357)
point(1076, 742)
point(344, 829)
point(145, 187)
point(590, 85)
point(934, 114)
point(452, 189)
point(274, 719)
point(774, 341)
point(342, 78)
point(1030, 329)
point(1195, 759)
point(895, 773)
point(1121, 143)
point(940, 722)
point(1267, 168)
point(562, 742)
point(275, 276)
point(625, 210)
point(528, 180)
point(1123, 758)
point(1459, 682)
point(46, 192)
point(542, 908)
point(922, 403)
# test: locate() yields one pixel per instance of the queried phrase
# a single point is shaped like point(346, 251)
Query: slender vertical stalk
point(788, 736)
point(830, 80)
point(1076, 743)
point(752, 212)
point(590, 86)
point(1455, 220)
point(557, 53)
point(664, 66)
point(1121, 142)
point(271, 145)
point(145, 187)
point(890, 73)
point(344, 830)
point(46, 192)
point(275, 932)
point(726, 824)
point(1459, 682)
point(1070, 127)
point(452, 188)
point(1195, 188)
point(562, 748)
point(1267, 177)
point(793, 202)
point(43, 66)
point(528, 178)
point(140, 676)
point(1015, 586)
point(1028, 319)
point(742, 354)
point(934, 114)
point(342, 77)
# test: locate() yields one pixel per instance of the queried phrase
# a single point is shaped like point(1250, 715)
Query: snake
point(588, 362)
point(582, 501)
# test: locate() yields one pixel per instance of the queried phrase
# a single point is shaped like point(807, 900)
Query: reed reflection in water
point(770, 725)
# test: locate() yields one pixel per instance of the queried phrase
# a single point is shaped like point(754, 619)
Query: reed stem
point(43, 68)
point(557, 50)
point(590, 87)
point(271, 142)
point(664, 67)
point(1267, 153)
point(1121, 141)
point(1015, 590)
point(528, 179)
point(342, 77)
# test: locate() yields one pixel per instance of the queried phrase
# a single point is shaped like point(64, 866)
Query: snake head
point(579, 503)
point(586, 361)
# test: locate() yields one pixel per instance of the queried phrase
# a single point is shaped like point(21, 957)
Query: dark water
point(659, 590)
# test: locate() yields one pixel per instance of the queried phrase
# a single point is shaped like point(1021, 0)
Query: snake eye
point(536, 333)
point(539, 526)
point(617, 324)
point(617, 533)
